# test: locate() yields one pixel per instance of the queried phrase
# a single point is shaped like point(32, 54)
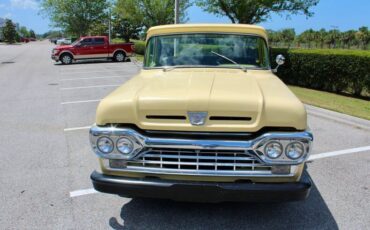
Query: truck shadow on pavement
point(312, 213)
point(91, 61)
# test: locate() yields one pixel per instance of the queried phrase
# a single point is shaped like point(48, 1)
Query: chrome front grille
point(195, 162)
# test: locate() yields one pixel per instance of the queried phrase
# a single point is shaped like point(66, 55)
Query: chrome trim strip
point(190, 172)
point(257, 144)
point(198, 133)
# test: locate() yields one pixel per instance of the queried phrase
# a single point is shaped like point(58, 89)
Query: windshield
point(197, 50)
point(75, 42)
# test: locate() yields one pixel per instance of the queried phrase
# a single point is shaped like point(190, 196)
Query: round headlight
point(105, 145)
point(125, 145)
point(294, 150)
point(273, 149)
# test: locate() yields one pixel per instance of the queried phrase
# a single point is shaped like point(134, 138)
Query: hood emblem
point(197, 118)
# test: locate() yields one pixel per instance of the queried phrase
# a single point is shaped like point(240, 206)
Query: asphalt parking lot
point(45, 111)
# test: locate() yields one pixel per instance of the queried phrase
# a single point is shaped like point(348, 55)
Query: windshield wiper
point(230, 60)
point(169, 68)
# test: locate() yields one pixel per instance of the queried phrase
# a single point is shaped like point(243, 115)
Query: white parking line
point(99, 71)
point(88, 87)
point(338, 153)
point(78, 102)
point(76, 128)
point(89, 78)
point(90, 68)
point(83, 192)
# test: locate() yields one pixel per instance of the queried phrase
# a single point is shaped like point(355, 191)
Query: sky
point(328, 14)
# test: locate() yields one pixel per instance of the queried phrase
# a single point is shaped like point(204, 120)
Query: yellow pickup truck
point(205, 120)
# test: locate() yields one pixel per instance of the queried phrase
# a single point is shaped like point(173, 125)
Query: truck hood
point(63, 47)
point(234, 101)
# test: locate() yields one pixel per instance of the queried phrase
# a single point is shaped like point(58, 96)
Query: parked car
point(205, 120)
point(64, 41)
point(25, 40)
point(54, 40)
point(92, 47)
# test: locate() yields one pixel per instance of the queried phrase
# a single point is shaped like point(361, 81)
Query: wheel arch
point(119, 50)
point(67, 52)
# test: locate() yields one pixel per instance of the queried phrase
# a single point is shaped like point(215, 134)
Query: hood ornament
point(197, 118)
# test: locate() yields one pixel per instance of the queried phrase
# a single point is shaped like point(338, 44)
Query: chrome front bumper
point(201, 157)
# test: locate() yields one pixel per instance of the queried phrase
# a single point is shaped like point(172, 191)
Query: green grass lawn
point(348, 105)
point(139, 57)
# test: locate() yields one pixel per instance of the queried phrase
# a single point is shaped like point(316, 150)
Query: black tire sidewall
point(61, 59)
point(115, 56)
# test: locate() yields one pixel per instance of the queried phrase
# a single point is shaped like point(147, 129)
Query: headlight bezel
point(291, 144)
point(283, 159)
point(127, 139)
point(109, 140)
point(115, 154)
point(273, 143)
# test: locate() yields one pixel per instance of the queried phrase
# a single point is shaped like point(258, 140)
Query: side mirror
point(280, 60)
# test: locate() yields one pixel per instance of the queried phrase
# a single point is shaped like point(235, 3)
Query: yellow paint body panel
point(257, 94)
point(207, 28)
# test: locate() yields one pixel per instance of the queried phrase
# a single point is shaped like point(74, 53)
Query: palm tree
point(347, 38)
point(363, 37)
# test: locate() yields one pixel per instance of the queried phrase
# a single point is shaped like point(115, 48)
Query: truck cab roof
point(207, 28)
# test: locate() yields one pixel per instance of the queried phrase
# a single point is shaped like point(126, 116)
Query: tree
point(347, 38)
point(307, 37)
point(363, 36)
point(151, 12)
point(255, 11)
point(321, 36)
point(24, 32)
point(9, 32)
point(99, 28)
point(52, 34)
point(332, 38)
point(75, 16)
point(126, 28)
point(287, 36)
point(32, 34)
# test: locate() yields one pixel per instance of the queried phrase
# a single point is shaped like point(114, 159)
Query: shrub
point(330, 70)
point(140, 47)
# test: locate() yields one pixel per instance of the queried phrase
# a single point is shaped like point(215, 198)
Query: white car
point(64, 41)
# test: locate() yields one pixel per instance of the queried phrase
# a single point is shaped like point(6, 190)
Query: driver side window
point(86, 42)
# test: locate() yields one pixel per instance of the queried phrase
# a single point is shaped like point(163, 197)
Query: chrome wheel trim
point(66, 59)
point(120, 57)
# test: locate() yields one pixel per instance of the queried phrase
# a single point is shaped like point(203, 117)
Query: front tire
point(119, 56)
point(66, 59)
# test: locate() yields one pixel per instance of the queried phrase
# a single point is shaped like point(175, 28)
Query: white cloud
point(24, 4)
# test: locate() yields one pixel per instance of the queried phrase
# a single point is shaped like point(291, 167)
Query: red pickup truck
point(92, 47)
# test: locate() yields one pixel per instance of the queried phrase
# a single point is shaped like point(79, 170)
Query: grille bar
point(198, 162)
point(201, 157)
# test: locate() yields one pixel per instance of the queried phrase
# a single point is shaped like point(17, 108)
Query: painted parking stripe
point(79, 102)
point(89, 78)
point(83, 192)
point(89, 87)
point(76, 128)
point(338, 153)
point(98, 71)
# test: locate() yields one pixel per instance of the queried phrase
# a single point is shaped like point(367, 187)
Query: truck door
point(84, 49)
point(100, 48)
